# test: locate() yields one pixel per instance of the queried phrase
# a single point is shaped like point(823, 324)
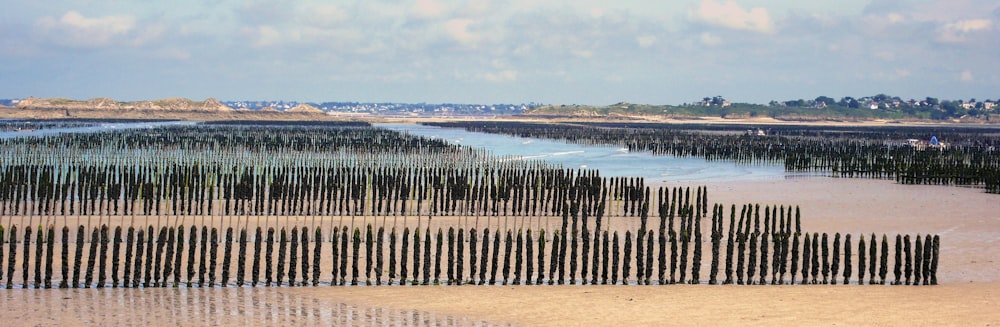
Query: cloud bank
point(500, 51)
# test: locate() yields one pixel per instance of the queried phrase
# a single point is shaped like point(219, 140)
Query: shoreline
point(968, 295)
point(236, 115)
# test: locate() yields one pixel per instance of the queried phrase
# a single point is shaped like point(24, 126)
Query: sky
point(496, 51)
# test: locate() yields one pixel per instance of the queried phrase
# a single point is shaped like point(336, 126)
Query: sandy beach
point(965, 218)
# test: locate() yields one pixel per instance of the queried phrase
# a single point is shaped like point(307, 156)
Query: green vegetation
point(880, 106)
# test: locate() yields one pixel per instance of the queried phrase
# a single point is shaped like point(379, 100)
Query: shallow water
point(611, 161)
point(90, 129)
point(203, 307)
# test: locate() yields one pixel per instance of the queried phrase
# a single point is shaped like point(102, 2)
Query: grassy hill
point(739, 110)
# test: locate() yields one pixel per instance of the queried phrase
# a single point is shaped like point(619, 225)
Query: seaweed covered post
point(355, 250)
point(65, 252)
point(847, 259)
point(873, 260)
point(627, 258)
point(825, 259)
point(226, 257)
point(918, 259)
point(897, 271)
point(729, 246)
point(508, 245)
point(318, 253)
point(450, 271)
point(935, 252)
point(473, 239)
point(91, 257)
point(908, 270)
point(416, 256)
point(554, 273)
point(496, 257)
point(241, 260)
point(403, 256)
point(255, 270)
point(883, 260)
point(369, 257)
point(460, 260)
point(861, 260)
point(806, 251)
point(519, 257)
point(139, 247)
point(835, 258)
point(64, 263)
point(50, 239)
point(213, 260)
point(615, 258)
point(439, 239)
point(193, 243)
point(293, 256)
point(484, 256)
point(529, 258)
point(427, 256)
point(269, 257)
point(336, 257)
point(304, 257)
point(539, 280)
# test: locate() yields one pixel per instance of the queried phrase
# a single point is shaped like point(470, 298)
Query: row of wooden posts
point(864, 152)
point(170, 257)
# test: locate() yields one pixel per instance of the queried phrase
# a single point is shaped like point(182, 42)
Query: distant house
point(989, 105)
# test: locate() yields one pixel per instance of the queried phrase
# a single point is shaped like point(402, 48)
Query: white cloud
point(584, 54)
point(508, 75)
point(731, 15)
point(175, 54)
point(709, 39)
point(428, 9)
point(476, 8)
point(885, 55)
point(265, 36)
point(895, 18)
point(438, 48)
point(645, 41)
point(959, 31)
point(75, 30)
point(970, 25)
point(965, 76)
point(458, 30)
point(323, 14)
point(148, 34)
point(596, 13)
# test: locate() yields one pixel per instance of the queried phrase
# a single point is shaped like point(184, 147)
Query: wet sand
point(966, 219)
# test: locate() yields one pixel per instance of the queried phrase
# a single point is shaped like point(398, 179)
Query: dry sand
point(967, 220)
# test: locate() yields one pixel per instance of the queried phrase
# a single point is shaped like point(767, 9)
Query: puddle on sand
point(202, 307)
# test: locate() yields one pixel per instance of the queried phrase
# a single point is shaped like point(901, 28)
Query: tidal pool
point(609, 160)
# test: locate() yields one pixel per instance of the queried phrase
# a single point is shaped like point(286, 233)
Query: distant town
point(384, 109)
point(880, 105)
point(937, 108)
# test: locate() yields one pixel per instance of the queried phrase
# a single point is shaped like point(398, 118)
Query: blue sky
point(493, 51)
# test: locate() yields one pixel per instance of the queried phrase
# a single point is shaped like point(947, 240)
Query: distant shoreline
point(186, 114)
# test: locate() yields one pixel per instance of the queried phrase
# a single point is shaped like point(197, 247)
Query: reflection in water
point(89, 128)
point(202, 307)
point(609, 160)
